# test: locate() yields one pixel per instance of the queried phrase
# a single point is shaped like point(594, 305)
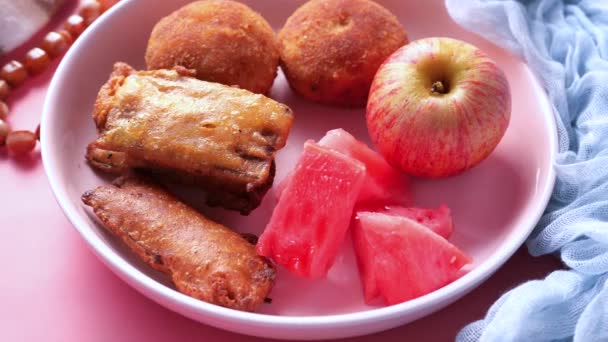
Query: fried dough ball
point(224, 41)
point(331, 49)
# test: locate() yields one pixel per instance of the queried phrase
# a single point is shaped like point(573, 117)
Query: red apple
point(437, 107)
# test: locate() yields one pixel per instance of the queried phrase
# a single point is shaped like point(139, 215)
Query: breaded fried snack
point(224, 41)
point(203, 259)
point(180, 129)
point(331, 49)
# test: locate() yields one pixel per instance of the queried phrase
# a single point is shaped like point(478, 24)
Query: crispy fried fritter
point(331, 49)
point(224, 41)
point(191, 131)
point(204, 259)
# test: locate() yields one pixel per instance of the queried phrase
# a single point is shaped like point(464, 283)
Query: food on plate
point(383, 183)
point(331, 49)
point(182, 129)
point(402, 252)
point(400, 259)
point(438, 220)
point(224, 41)
point(309, 223)
point(204, 259)
point(438, 107)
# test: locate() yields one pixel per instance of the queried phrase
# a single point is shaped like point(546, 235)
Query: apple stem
point(438, 88)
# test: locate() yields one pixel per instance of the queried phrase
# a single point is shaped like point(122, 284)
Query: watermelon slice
point(383, 183)
point(310, 221)
point(438, 220)
point(399, 259)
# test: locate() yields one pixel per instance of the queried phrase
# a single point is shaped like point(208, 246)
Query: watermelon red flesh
point(383, 183)
point(399, 259)
point(438, 220)
point(309, 223)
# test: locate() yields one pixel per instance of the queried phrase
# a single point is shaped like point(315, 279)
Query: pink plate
point(495, 205)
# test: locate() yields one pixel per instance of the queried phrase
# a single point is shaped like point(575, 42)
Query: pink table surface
point(53, 288)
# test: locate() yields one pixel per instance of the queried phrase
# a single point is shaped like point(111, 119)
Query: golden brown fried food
point(331, 49)
point(183, 129)
point(224, 41)
point(204, 259)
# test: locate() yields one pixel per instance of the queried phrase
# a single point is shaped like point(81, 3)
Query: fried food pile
point(175, 128)
point(197, 117)
point(178, 128)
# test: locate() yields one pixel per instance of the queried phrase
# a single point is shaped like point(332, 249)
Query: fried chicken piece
point(183, 129)
point(204, 259)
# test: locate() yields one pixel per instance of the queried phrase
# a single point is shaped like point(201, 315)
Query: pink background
point(54, 289)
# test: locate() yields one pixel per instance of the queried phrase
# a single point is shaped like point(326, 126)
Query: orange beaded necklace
point(14, 73)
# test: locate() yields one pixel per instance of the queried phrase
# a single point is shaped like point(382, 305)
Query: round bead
point(55, 44)
point(106, 4)
point(5, 129)
point(14, 73)
point(36, 60)
point(38, 132)
point(90, 11)
point(5, 89)
point(75, 25)
point(20, 142)
point(3, 110)
point(67, 35)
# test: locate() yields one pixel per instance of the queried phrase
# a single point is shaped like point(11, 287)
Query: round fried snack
point(224, 41)
point(331, 49)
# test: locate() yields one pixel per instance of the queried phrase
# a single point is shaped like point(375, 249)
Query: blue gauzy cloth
point(566, 44)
